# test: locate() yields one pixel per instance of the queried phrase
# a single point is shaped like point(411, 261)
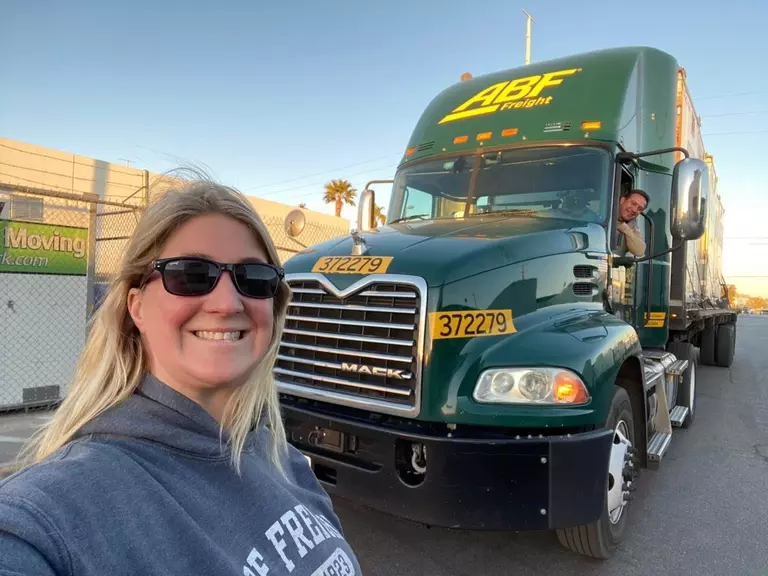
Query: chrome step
point(677, 368)
point(652, 376)
point(678, 415)
point(657, 447)
point(656, 354)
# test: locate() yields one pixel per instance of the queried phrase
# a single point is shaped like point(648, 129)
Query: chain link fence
point(313, 233)
point(57, 252)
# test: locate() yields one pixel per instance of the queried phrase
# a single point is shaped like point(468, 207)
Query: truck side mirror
point(690, 193)
point(294, 224)
point(365, 215)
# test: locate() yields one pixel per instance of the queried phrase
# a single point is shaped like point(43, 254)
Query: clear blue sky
point(296, 92)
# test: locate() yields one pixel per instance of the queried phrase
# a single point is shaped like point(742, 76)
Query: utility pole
point(529, 21)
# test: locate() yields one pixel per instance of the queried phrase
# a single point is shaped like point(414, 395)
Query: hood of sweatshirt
point(158, 413)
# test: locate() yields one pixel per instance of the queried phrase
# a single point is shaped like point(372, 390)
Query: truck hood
point(445, 250)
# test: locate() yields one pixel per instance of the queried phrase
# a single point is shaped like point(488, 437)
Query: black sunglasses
point(191, 276)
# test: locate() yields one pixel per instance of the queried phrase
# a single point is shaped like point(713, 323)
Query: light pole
point(529, 21)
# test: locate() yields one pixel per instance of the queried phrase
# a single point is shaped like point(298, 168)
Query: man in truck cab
point(631, 205)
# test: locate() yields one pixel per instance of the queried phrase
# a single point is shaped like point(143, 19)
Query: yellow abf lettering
point(523, 92)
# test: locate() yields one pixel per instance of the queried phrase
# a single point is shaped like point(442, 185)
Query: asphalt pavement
point(15, 429)
point(703, 513)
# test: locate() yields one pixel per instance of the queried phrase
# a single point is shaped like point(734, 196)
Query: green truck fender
point(595, 345)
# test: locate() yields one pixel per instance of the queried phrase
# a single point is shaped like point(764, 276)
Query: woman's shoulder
point(43, 501)
point(70, 470)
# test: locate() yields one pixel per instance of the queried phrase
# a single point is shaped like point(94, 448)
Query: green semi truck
point(493, 357)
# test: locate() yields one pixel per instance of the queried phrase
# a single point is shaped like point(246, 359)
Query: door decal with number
point(470, 324)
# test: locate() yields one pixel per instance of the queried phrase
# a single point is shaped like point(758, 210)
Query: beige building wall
point(28, 165)
point(24, 164)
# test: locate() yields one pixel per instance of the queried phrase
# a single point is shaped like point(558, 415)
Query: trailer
point(699, 310)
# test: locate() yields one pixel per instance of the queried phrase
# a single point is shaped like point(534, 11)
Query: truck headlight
point(530, 386)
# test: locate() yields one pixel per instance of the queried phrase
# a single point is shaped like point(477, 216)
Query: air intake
point(584, 288)
point(584, 271)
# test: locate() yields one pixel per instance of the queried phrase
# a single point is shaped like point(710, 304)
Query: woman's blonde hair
point(113, 362)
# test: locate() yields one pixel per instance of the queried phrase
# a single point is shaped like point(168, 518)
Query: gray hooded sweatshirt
point(146, 489)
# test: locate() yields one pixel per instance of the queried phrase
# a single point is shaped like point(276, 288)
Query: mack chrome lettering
point(376, 371)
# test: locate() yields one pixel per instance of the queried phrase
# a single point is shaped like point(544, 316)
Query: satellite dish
point(295, 222)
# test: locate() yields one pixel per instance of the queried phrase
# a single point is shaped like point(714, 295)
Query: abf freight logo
point(43, 248)
point(512, 94)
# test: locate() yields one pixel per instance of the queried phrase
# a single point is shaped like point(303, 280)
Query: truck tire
point(601, 538)
point(726, 344)
point(708, 351)
point(686, 391)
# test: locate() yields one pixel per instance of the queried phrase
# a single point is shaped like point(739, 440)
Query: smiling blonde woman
point(168, 455)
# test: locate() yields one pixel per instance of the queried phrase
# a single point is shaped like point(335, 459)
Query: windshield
point(571, 183)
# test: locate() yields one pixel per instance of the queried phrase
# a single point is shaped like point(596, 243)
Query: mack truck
point(491, 358)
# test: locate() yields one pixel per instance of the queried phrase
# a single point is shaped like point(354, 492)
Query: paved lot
point(704, 512)
point(15, 429)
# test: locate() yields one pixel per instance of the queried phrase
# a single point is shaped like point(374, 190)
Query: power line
point(760, 131)
point(318, 184)
point(67, 176)
point(320, 173)
point(72, 161)
point(698, 99)
point(735, 114)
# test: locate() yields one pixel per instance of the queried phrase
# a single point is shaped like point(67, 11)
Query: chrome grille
point(360, 347)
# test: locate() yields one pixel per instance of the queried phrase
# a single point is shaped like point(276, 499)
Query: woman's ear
point(135, 307)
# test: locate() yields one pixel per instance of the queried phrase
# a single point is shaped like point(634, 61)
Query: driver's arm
point(635, 243)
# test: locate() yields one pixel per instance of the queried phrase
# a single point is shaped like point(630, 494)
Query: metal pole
point(90, 301)
point(529, 21)
point(145, 181)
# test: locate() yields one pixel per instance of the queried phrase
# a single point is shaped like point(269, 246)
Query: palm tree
point(341, 192)
point(379, 216)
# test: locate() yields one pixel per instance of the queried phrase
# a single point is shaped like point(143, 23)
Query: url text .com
point(30, 261)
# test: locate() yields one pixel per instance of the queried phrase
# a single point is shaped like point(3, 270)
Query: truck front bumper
point(498, 483)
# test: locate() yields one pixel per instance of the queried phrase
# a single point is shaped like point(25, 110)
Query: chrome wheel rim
point(620, 450)
point(692, 389)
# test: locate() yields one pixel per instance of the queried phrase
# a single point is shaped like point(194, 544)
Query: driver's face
point(631, 206)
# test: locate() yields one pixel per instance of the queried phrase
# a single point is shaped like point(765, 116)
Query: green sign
point(43, 248)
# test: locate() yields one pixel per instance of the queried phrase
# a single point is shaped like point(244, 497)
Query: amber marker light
point(484, 136)
point(460, 140)
point(595, 125)
point(509, 132)
point(569, 390)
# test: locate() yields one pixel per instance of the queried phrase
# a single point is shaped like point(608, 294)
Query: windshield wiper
point(510, 212)
point(411, 217)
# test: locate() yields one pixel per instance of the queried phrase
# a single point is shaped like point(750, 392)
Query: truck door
point(622, 289)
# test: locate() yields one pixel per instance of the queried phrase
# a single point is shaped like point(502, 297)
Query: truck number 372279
point(471, 323)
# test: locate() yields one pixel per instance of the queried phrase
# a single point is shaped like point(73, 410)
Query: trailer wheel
point(601, 538)
point(708, 351)
point(726, 344)
point(686, 391)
